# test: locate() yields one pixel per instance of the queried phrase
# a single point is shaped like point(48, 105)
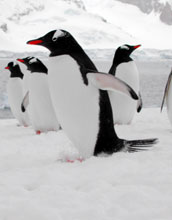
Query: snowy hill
point(163, 8)
point(96, 24)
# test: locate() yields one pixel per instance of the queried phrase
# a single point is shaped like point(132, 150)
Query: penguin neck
point(84, 63)
point(39, 71)
point(38, 68)
point(78, 54)
point(117, 61)
point(16, 73)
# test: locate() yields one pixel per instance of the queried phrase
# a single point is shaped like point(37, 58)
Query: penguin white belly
point(124, 107)
point(76, 105)
point(26, 78)
point(41, 110)
point(169, 102)
point(15, 98)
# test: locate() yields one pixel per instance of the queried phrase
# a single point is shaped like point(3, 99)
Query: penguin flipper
point(105, 81)
point(25, 102)
point(139, 103)
point(166, 89)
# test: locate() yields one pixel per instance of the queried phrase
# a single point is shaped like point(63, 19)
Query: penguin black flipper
point(25, 102)
point(139, 103)
point(166, 89)
point(105, 81)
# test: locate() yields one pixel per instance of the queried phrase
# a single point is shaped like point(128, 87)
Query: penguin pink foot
point(38, 132)
point(77, 159)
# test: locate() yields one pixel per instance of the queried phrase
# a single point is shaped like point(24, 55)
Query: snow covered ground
point(36, 185)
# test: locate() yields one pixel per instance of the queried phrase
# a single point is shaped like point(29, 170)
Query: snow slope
point(95, 24)
point(146, 28)
point(162, 8)
point(30, 19)
point(35, 184)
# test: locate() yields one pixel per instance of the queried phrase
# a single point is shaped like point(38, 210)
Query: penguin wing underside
point(166, 89)
point(25, 102)
point(139, 103)
point(105, 81)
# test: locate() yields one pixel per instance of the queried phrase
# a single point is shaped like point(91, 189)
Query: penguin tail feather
point(132, 146)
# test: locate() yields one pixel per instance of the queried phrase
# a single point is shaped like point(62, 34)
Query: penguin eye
point(54, 38)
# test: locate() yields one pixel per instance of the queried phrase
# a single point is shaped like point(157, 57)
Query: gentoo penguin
point(168, 97)
point(42, 114)
point(15, 93)
point(80, 98)
point(124, 68)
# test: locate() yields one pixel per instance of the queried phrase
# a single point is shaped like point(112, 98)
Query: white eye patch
point(57, 34)
point(29, 57)
point(124, 47)
point(33, 60)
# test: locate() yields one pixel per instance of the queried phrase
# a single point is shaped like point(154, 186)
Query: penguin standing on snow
point(41, 110)
point(15, 93)
point(124, 68)
point(80, 98)
point(168, 97)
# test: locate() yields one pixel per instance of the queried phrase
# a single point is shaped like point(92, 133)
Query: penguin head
point(34, 64)
point(10, 66)
point(26, 61)
point(14, 69)
point(59, 42)
point(126, 50)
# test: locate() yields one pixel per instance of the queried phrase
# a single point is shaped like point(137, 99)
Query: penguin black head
point(15, 70)
point(59, 42)
point(25, 60)
point(125, 50)
point(34, 65)
point(122, 55)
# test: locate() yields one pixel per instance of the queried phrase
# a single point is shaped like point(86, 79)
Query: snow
point(166, 1)
point(35, 184)
point(147, 29)
point(103, 24)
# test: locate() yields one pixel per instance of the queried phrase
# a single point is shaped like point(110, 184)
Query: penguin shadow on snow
point(88, 122)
